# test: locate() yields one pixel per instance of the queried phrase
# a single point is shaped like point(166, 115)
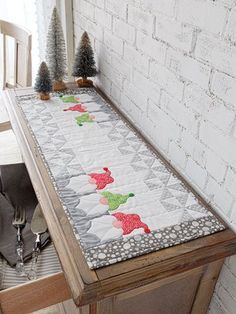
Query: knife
point(38, 226)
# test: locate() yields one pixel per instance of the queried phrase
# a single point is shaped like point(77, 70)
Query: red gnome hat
point(129, 222)
point(102, 179)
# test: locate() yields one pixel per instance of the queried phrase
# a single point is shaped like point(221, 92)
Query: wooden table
point(179, 279)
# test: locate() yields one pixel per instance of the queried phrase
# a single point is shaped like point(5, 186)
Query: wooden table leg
point(206, 287)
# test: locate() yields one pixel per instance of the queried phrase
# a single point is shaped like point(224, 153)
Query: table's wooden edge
point(125, 281)
point(138, 271)
point(75, 268)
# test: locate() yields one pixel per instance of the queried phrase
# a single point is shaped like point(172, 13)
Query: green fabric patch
point(115, 200)
point(83, 118)
point(69, 99)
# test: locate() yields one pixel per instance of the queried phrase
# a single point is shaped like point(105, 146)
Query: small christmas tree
point(56, 52)
point(43, 82)
point(84, 65)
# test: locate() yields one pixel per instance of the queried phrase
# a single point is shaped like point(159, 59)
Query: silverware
point(38, 226)
point(19, 223)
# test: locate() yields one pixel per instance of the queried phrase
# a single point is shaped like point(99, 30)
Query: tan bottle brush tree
point(56, 52)
point(43, 82)
point(84, 65)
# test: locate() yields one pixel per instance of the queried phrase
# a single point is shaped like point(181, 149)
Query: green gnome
point(114, 200)
point(67, 99)
point(86, 117)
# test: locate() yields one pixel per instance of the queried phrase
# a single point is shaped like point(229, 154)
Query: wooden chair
point(22, 76)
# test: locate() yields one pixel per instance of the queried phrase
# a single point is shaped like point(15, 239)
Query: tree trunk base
point(59, 86)
point(84, 83)
point(44, 96)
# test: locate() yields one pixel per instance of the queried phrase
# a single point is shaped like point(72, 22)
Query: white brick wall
point(170, 65)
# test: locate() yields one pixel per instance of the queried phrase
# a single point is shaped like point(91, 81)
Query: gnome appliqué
point(101, 179)
point(86, 117)
point(129, 222)
point(69, 98)
point(114, 200)
point(78, 107)
point(89, 183)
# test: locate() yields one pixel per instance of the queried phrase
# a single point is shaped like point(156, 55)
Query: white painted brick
point(103, 18)
point(133, 112)
point(117, 8)
point(102, 50)
point(206, 15)
point(146, 86)
point(87, 8)
point(162, 6)
point(219, 196)
point(196, 98)
point(228, 3)
point(215, 166)
point(104, 83)
point(194, 148)
point(167, 127)
point(98, 3)
point(138, 98)
point(230, 32)
point(111, 41)
point(167, 80)
point(173, 32)
point(210, 107)
point(124, 68)
point(220, 115)
point(177, 155)
point(230, 181)
point(223, 145)
point(138, 60)
point(179, 112)
point(153, 48)
point(123, 30)
point(91, 27)
point(111, 73)
point(224, 86)
point(140, 19)
point(218, 53)
point(188, 142)
point(115, 93)
point(188, 67)
point(197, 174)
point(200, 154)
point(150, 130)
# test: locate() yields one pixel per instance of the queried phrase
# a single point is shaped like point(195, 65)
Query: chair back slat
point(22, 66)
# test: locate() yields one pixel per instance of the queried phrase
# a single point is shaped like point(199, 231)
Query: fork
point(19, 223)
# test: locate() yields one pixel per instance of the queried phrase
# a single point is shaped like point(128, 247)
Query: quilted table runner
point(120, 198)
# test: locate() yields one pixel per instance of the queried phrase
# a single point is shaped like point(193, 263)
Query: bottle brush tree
point(56, 52)
point(43, 82)
point(84, 64)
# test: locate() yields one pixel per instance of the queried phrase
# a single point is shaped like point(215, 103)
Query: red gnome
point(78, 107)
point(101, 179)
point(129, 222)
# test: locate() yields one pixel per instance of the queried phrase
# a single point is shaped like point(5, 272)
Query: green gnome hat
point(115, 200)
point(67, 99)
point(83, 118)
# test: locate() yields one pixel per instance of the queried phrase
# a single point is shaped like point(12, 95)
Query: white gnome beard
point(91, 206)
point(81, 185)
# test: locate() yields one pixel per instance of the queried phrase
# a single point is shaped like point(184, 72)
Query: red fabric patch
point(78, 107)
point(130, 222)
point(102, 179)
